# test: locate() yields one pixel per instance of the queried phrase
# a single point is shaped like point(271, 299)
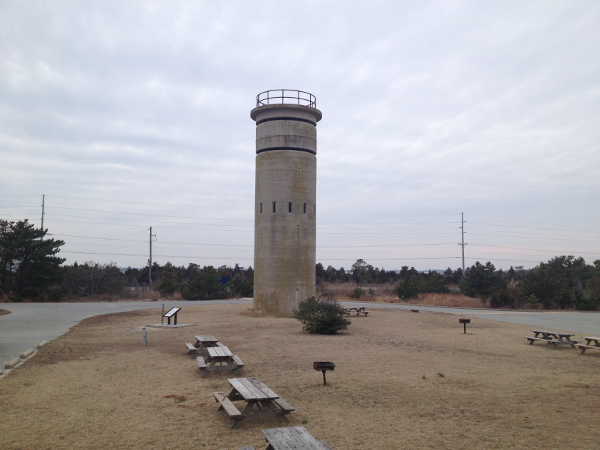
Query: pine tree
point(28, 262)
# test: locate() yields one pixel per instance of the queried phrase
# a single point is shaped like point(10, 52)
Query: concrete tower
point(285, 200)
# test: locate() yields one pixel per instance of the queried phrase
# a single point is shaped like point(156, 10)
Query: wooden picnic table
point(205, 340)
point(358, 310)
point(588, 344)
point(260, 400)
point(202, 343)
point(219, 358)
point(552, 337)
point(292, 438)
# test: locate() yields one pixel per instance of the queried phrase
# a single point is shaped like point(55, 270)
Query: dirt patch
point(402, 381)
point(4, 312)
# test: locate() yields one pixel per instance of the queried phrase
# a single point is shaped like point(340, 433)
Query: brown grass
point(453, 300)
point(384, 293)
point(402, 381)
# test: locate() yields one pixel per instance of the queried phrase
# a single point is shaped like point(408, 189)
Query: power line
point(535, 249)
point(529, 228)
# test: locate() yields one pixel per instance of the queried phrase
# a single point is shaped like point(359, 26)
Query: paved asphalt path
point(31, 323)
point(585, 323)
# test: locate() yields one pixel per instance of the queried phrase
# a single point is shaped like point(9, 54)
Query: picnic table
point(588, 344)
point(358, 310)
point(260, 401)
point(291, 438)
point(219, 358)
point(202, 343)
point(552, 337)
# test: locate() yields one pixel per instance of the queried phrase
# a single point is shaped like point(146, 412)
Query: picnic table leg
point(248, 408)
point(231, 394)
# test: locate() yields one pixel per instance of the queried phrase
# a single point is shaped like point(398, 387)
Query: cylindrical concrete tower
point(285, 200)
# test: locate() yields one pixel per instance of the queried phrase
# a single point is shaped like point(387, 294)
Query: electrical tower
point(43, 203)
point(150, 263)
point(462, 243)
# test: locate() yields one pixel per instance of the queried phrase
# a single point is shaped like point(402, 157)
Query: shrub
point(433, 283)
point(205, 284)
point(588, 304)
point(407, 289)
point(357, 293)
point(532, 301)
point(241, 286)
point(170, 282)
point(482, 281)
point(92, 278)
point(321, 317)
point(506, 298)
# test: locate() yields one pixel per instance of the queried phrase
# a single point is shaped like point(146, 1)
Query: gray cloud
point(428, 110)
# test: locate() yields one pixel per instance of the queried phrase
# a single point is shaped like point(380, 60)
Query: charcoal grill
point(323, 366)
point(464, 322)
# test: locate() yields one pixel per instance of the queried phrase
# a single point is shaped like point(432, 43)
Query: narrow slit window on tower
point(289, 207)
point(305, 207)
point(261, 207)
point(273, 207)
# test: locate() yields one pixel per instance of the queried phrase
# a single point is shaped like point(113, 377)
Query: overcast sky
point(128, 115)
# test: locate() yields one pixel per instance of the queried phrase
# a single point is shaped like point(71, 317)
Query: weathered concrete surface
point(285, 207)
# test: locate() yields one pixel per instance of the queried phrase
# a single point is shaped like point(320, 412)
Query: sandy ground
point(402, 381)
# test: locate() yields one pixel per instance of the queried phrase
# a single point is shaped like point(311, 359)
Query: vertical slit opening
point(305, 207)
point(261, 207)
point(289, 207)
point(273, 207)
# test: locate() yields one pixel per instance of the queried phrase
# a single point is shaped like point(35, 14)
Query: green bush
point(587, 304)
point(244, 287)
point(407, 289)
point(532, 301)
point(205, 284)
point(321, 317)
point(506, 298)
point(482, 281)
point(170, 281)
point(357, 293)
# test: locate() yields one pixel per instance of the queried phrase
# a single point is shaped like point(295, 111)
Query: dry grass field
point(402, 381)
point(385, 293)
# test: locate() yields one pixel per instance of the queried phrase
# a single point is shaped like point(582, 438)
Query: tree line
point(31, 268)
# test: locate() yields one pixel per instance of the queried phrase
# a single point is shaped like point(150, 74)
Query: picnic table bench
point(291, 438)
point(358, 310)
point(219, 358)
point(172, 313)
point(202, 343)
point(552, 337)
point(260, 401)
point(588, 344)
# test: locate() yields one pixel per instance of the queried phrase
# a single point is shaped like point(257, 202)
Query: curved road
point(31, 323)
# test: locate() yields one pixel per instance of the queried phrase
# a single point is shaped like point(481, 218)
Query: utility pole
point(150, 265)
point(463, 243)
point(43, 203)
